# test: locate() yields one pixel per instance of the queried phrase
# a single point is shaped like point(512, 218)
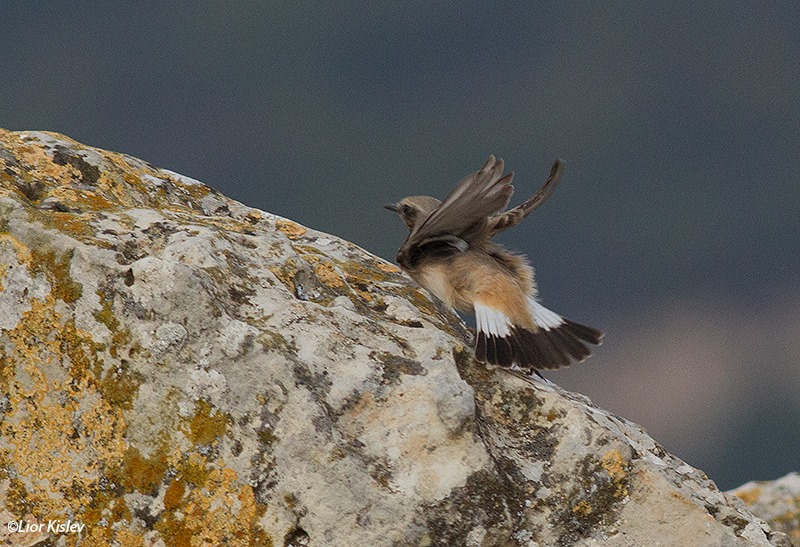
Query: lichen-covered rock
point(179, 369)
point(777, 502)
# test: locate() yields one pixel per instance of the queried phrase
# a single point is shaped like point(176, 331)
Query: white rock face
point(176, 365)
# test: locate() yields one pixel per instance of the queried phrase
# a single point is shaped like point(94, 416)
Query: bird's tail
point(556, 342)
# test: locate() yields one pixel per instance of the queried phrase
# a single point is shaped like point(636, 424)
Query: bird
point(449, 251)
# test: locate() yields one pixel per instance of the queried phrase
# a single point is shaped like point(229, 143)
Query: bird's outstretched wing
point(462, 216)
point(512, 217)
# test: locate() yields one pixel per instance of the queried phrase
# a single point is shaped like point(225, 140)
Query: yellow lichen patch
point(21, 250)
point(71, 177)
point(254, 216)
point(194, 468)
point(3, 273)
point(291, 229)
point(617, 469)
point(116, 182)
point(207, 425)
point(142, 474)
point(101, 506)
point(192, 192)
point(56, 269)
point(285, 274)
point(224, 223)
point(361, 290)
point(68, 223)
point(120, 511)
point(132, 472)
point(306, 249)
point(388, 268)
point(174, 494)
point(358, 270)
point(275, 341)
point(106, 315)
point(582, 509)
point(128, 538)
point(749, 496)
point(220, 512)
point(38, 164)
point(361, 278)
point(125, 185)
point(420, 301)
point(80, 198)
point(57, 175)
point(96, 201)
point(325, 272)
point(117, 385)
point(60, 433)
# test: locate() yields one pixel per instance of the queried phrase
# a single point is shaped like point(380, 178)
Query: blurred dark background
point(675, 229)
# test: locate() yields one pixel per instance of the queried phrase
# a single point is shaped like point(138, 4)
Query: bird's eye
point(406, 210)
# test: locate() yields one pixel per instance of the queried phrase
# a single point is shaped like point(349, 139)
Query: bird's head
point(414, 209)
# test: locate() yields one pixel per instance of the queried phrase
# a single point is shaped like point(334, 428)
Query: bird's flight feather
point(514, 216)
point(464, 211)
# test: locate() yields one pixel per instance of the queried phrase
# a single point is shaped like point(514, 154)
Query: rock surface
point(777, 502)
point(179, 369)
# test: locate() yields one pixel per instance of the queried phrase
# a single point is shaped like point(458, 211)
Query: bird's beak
point(391, 206)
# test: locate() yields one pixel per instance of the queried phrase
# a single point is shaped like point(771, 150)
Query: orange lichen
point(617, 469)
point(222, 512)
point(194, 469)
point(388, 268)
point(63, 447)
point(174, 494)
point(357, 270)
point(60, 432)
point(285, 274)
point(76, 225)
point(38, 163)
point(362, 291)
point(128, 538)
point(142, 474)
point(254, 216)
point(325, 272)
point(749, 496)
point(291, 229)
point(361, 278)
point(582, 509)
point(22, 252)
point(74, 180)
point(207, 425)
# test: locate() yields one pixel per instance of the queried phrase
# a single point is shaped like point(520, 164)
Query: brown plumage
point(449, 252)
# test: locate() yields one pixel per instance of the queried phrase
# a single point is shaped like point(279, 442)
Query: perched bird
point(449, 252)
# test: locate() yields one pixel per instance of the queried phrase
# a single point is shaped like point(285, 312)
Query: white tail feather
point(492, 321)
point(544, 318)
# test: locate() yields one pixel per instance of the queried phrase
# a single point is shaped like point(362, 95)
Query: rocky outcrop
point(179, 369)
point(777, 502)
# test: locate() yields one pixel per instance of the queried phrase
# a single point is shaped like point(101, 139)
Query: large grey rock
point(180, 369)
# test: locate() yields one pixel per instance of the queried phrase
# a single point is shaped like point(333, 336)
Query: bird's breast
point(437, 279)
